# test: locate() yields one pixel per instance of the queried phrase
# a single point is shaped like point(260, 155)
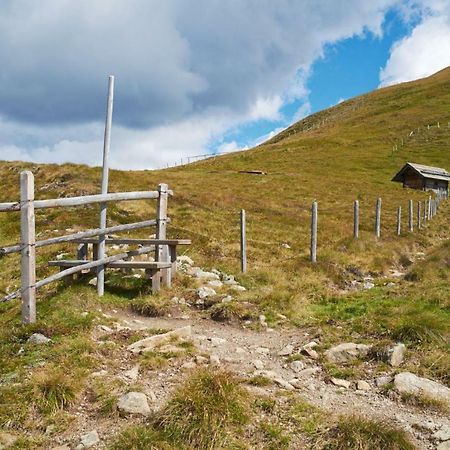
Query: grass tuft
point(150, 306)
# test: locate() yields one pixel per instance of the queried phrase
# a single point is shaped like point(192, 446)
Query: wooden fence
point(28, 244)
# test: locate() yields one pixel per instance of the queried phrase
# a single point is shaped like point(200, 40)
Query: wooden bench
point(156, 271)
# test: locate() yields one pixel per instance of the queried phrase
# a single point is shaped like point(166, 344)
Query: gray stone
point(132, 374)
point(38, 339)
point(93, 281)
point(60, 447)
point(184, 259)
point(202, 275)
point(297, 366)
point(362, 385)
point(258, 364)
point(263, 350)
point(189, 365)
point(346, 352)
point(217, 341)
point(7, 440)
point(309, 372)
point(443, 446)
point(214, 360)
point(443, 434)
point(201, 359)
point(229, 280)
point(341, 383)
point(284, 384)
point(237, 288)
point(88, 440)
point(205, 291)
point(397, 354)
point(286, 351)
point(408, 383)
point(215, 283)
point(134, 403)
point(383, 380)
point(148, 344)
point(368, 285)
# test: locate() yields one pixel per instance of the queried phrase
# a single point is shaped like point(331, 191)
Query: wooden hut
point(425, 178)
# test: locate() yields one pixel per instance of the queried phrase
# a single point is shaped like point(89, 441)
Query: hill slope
point(335, 156)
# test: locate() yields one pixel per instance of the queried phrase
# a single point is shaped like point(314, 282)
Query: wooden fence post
point(399, 220)
point(28, 252)
point(105, 179)
point(313, 253)
point(378, 218)
point(161, 251)
point(419, 225)
point(429, 207)
point(411, 214)
point(356, 219)
point(243, 242)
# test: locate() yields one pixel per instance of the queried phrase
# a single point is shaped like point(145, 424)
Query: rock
point(100, 373)
point(397, 354)
point(229, 280)
point(38, 339)
point(263, 350)
point(237, 288)
point(286, 351)
point(362, 385)
point(443, 446)
point(214, 360)
point(310, 371)
point(6, 440)
point(341, 383)
point(383, 380)
point(93, 281)
point(259, 365)
point(308, 350)
point(368, 285)
point(202, 275)
point(201, 359)
point(59, 447)
point(408, 383)
point(346, 352)
point(184, 259)
point(205, 291)
point(285, 245)
point(241, 350)
point(147, 344)
point(215, 283)
point(297, 366)
point(88, 440)
point(284, 384)
point(217, 342)
point(227, 299)
point(132, 374)
point(188, 365)
point(134, 403)
point(443, 434)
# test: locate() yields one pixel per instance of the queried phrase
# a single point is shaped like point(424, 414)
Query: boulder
point(443, 434)
point(88, 440)
point(205, 291)
point(134, 403)
point(341, 383)
point(396, 355)
point(38, 339)
point(286, 350)
point(362, 385)
point(215, 283)
point(149, 343)
point(408, 383)
point(443, 446)
point(284, 384)
point(346, 352)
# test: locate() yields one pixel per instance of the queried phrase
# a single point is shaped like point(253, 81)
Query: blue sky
point(196, 76)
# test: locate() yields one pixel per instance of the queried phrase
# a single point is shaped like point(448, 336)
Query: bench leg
point(167, 277)
point(155, 276)
point(173, 259)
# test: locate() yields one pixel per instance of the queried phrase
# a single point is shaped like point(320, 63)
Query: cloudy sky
point(196, 76)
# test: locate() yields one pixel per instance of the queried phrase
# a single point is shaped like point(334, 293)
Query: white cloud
point(186, 71)
point(425, 51)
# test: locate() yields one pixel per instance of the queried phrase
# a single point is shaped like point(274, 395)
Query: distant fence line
point(424, 212)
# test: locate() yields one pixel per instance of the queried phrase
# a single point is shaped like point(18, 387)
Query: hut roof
point(436, 173)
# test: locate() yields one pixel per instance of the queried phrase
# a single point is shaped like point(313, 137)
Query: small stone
point(88, 440)
point(205, 291)
point(284, 384)
point(132, 374)
point(368, 285)
point(216, 341)
point(215, 283)
point(229, 280)
point(397, 354)
point(100, 373)
point(237, 288)
point(310, 371)
point(201, 274)
point(259, 365)
point(38, 339)
point(285, 245)
point(151, 342)
point(262, 319)
point(297, 366)
point(214, 360)
point(6, 440)
point(241, 350)
point(286, 351)
point(200, 359)
point(184, 259)
point(346, 352)
point(362, 385)
point(341, 383)
point(134, 403)
point(59, 447)
point(188, 365)
point(310, 352)
point(93, 281)
point(443, 446)
point(263, 350)
point(227, 299)
point(383, 380)
point(281, 316)
point(443, 434)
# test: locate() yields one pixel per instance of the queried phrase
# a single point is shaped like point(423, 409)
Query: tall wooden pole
point(399, 221)
point(28, 252)
point(313, 252)
point(243, 241)
point(378, 218)
point(356, 219)
point(410, 216)
point(419, 217)
point(105, 179)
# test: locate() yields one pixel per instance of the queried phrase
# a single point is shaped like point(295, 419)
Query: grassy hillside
point(335, 156)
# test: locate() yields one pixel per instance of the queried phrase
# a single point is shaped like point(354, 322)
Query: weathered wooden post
point(313, 253)
point(356, 219)
point(105, 179)
point(429, 207)
point(162, 251)
point(243, 242)
point(419, 225)
point(399, 220)
point(378, 218)
point(410, 216)
point(28, 252)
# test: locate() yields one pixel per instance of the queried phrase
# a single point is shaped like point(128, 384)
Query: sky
point(196, 76)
